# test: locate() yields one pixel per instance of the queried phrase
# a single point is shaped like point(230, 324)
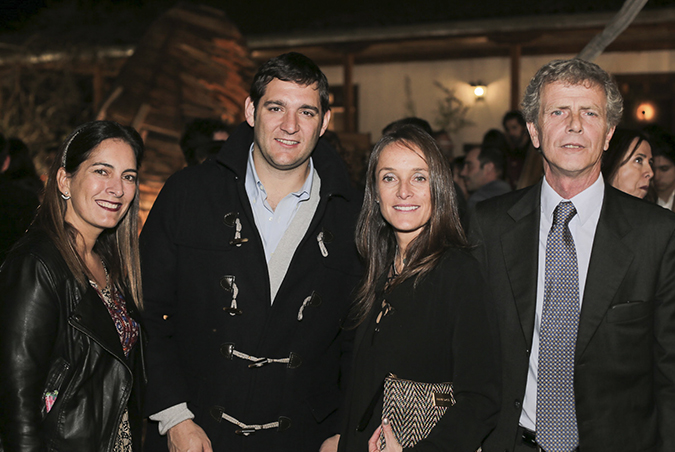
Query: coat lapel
point(610, 260)
point(520, 250)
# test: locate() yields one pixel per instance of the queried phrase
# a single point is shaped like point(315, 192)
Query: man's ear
point(63, 181)
point(249, 111)
point(5, 164)
point(326, 121)
point(534, 134)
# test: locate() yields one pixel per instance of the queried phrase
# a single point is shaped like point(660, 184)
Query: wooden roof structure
point(511, 37)
point(191, 63)
point(477, 38)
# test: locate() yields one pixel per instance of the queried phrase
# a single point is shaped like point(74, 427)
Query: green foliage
point(410, 109)
point(451, 111)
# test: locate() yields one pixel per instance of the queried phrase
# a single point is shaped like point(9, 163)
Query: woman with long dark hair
point(627, 163)
point(71, 369)
point(422, 308)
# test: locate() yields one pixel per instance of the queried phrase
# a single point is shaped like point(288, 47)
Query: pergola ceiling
point(564, 34)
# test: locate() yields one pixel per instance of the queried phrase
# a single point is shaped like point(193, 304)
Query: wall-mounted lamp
point(479, 89)
point(645, 112)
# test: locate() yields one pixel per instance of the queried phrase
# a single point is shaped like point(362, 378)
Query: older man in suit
point(584, 283)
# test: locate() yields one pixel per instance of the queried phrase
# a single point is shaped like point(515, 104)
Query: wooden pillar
point(348, 87)
point(516, 50)
point(97, 86)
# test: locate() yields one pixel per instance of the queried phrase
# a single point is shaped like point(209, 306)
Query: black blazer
point(439, 330)
point(625, 356)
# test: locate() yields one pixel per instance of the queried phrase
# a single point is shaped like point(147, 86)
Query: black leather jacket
point(55, 336)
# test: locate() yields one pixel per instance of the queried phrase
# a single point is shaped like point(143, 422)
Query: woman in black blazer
point(422, 308)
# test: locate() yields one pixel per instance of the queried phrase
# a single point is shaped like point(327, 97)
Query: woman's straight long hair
point(118, 246)
point(375, 238)
point(620, 151)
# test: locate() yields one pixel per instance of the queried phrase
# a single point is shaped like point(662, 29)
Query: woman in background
point(663, 144)
point(21, 168)
point(627, 163)
point(422, 308)
point(70, 341)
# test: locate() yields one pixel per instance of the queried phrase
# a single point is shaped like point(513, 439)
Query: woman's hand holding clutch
point(391, 444)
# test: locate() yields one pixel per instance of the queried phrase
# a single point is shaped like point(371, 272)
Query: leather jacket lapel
point(92, 318)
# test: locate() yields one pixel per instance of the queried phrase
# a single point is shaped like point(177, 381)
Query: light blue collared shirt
point(582, 226)
point(272, 223)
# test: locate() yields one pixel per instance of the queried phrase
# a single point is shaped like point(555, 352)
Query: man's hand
point(188, 437)
point(331, 444)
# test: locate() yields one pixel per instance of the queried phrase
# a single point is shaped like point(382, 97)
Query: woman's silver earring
point(65, 196)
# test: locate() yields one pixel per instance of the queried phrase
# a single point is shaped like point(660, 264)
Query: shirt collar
point(256, 190)
point(667, 204)
point(586, 203)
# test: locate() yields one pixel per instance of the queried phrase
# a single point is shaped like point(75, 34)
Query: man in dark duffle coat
point(616, 392)
point(249, 264)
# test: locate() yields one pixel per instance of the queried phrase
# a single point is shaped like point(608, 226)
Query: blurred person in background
point(482, 173)
point(445, 144)
point(663, 150)
point(496, 138)
point(21, 167)
point(524, 163)
point(18, 203)
point(203, 138)
point(627, 163)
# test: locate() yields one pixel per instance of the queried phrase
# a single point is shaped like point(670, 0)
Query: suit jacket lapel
point(610, 260)
point(520, 247)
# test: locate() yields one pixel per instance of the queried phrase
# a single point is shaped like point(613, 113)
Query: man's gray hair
point(573, 72)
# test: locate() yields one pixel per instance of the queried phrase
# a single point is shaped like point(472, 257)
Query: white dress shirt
point(272, 223)
point(582, 227)
point(667, 204)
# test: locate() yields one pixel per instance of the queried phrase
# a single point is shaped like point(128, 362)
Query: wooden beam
point(348, 87)
point(516, 50)
point(97, 81)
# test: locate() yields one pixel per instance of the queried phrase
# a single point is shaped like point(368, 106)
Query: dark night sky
point(120, 21)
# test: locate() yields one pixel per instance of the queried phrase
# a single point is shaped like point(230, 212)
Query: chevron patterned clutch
point(413, 408)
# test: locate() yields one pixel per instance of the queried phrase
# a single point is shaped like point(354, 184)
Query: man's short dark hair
point(662, 143)
point(412, 120)
point(494, 155)
point(513, 114)
point(290, 67)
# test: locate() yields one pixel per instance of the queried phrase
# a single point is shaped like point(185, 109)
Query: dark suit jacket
point(625, 356)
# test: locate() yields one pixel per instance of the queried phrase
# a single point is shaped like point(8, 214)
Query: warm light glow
point(645, 112)
point(479, 89)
